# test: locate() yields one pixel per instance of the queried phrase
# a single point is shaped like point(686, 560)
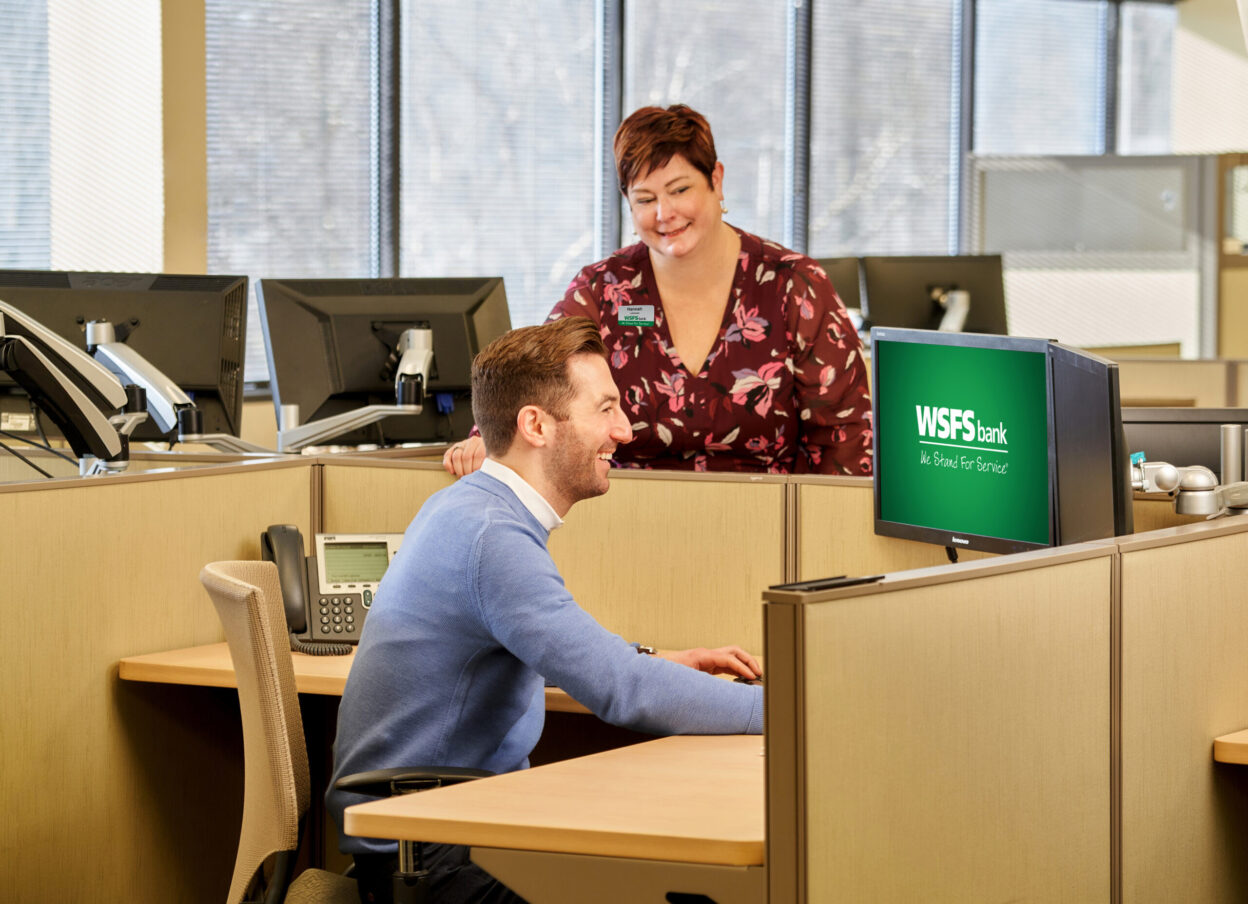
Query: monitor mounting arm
point(411, 381)
point(167, 404)
point(411, 378)
point(955, 305)
point(69, 386)
point(1194, 488)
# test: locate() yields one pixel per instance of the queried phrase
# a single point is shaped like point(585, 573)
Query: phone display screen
point(355, 563)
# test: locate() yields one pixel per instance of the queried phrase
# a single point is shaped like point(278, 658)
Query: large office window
point(1146, 51)
point(290, 128)
point(486, 161)
point(497, 137)
point(726, 59)
point(81, 166)
point(25, 136)
point(1039, 77)
point(884, 157)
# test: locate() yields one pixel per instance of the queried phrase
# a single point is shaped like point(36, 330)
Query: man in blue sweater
point(472, 614)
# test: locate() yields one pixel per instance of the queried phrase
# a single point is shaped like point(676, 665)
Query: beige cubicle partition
point(117, 791)
point(1167, 382)
point(375, 495)
point(1184, 682)
point(943, 735)
point(835, 521)
point(677, 560)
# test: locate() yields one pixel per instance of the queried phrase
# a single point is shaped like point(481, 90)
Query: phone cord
point(319, 649)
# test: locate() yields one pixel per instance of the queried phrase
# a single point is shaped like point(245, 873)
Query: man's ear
point(533, 426)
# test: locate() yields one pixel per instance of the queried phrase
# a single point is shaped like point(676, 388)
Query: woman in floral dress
point(731, 353)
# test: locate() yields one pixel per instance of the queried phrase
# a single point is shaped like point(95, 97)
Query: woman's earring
point(723, 207)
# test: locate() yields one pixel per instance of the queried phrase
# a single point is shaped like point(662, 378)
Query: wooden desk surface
point(1232, 748)
point(210, 666)
point(686, 799)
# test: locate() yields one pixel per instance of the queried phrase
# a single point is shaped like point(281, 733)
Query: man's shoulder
point(482, 500)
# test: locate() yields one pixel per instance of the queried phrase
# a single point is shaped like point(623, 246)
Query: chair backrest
point(276, 786)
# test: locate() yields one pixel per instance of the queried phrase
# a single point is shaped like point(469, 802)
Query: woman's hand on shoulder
point(465, 456)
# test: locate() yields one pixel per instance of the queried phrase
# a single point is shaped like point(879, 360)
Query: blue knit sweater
point(470, 616)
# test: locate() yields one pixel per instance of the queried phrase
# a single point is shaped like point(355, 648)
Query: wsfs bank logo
point(957, 424)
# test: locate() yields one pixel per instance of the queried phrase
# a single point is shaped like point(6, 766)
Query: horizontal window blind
point(496, 149)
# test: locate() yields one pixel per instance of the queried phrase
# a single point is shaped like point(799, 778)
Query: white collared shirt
point(530, 498)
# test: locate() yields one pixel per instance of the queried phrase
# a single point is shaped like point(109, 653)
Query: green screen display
point(963, 439)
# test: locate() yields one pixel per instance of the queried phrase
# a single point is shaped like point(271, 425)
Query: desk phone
point(327, 595)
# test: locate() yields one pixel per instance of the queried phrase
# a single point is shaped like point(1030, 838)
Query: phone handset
point(282, 544)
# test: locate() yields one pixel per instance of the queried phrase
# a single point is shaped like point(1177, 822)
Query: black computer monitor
point(331, 342)
point(904, 291)
point(995, 443)
point(1093, 473)
point(843, 274)
point(1181, 436)
point(191, 328)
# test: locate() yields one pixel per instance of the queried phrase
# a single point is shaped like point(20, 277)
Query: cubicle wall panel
point(676, 561)
point(957, 744)
point(1185, 681)
point(836, 534)
point(118, 791)
point(1149, 514)
point(1233, 312)
point(379, 496)
point(1152, 382)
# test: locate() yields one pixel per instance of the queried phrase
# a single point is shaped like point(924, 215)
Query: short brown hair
point(652, 136)
point(528, 366)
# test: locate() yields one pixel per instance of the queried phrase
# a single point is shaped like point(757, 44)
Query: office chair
point(277, 789)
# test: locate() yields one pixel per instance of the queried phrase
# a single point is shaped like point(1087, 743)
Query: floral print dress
point(784, 388)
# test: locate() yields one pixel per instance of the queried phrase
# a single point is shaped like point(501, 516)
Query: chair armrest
point(406, 779)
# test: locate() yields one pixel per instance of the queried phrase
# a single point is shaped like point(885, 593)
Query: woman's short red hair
point(651, 136)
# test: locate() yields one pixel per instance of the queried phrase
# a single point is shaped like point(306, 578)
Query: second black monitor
point(903, 292)
point(331, 349)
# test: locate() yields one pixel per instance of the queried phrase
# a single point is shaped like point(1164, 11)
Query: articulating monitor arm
point(168, 405)
point(411, 379)
point(83, 425)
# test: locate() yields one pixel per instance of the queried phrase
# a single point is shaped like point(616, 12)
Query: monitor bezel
point(878, 268)
point(104, 293)
point(278, 297)
point(952, 539)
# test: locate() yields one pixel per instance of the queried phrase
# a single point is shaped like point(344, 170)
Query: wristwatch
point(644, 648)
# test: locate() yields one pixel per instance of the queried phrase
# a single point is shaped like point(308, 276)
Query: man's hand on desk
point(720, 661)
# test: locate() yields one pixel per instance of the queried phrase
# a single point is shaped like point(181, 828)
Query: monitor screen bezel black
point(1090, 451)
point(302, 336)
point(942, 537)
point(895, 290)
point(62, 301)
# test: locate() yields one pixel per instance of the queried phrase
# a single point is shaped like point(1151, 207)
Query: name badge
point(636, 315)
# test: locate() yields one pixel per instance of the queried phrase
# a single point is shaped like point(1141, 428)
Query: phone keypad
point(337, 614)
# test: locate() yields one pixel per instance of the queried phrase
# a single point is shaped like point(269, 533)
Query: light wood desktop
point(209, 665)
point(1232, 748)
point(680, 814)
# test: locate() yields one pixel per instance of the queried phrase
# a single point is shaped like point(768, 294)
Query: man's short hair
point(528, 366)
